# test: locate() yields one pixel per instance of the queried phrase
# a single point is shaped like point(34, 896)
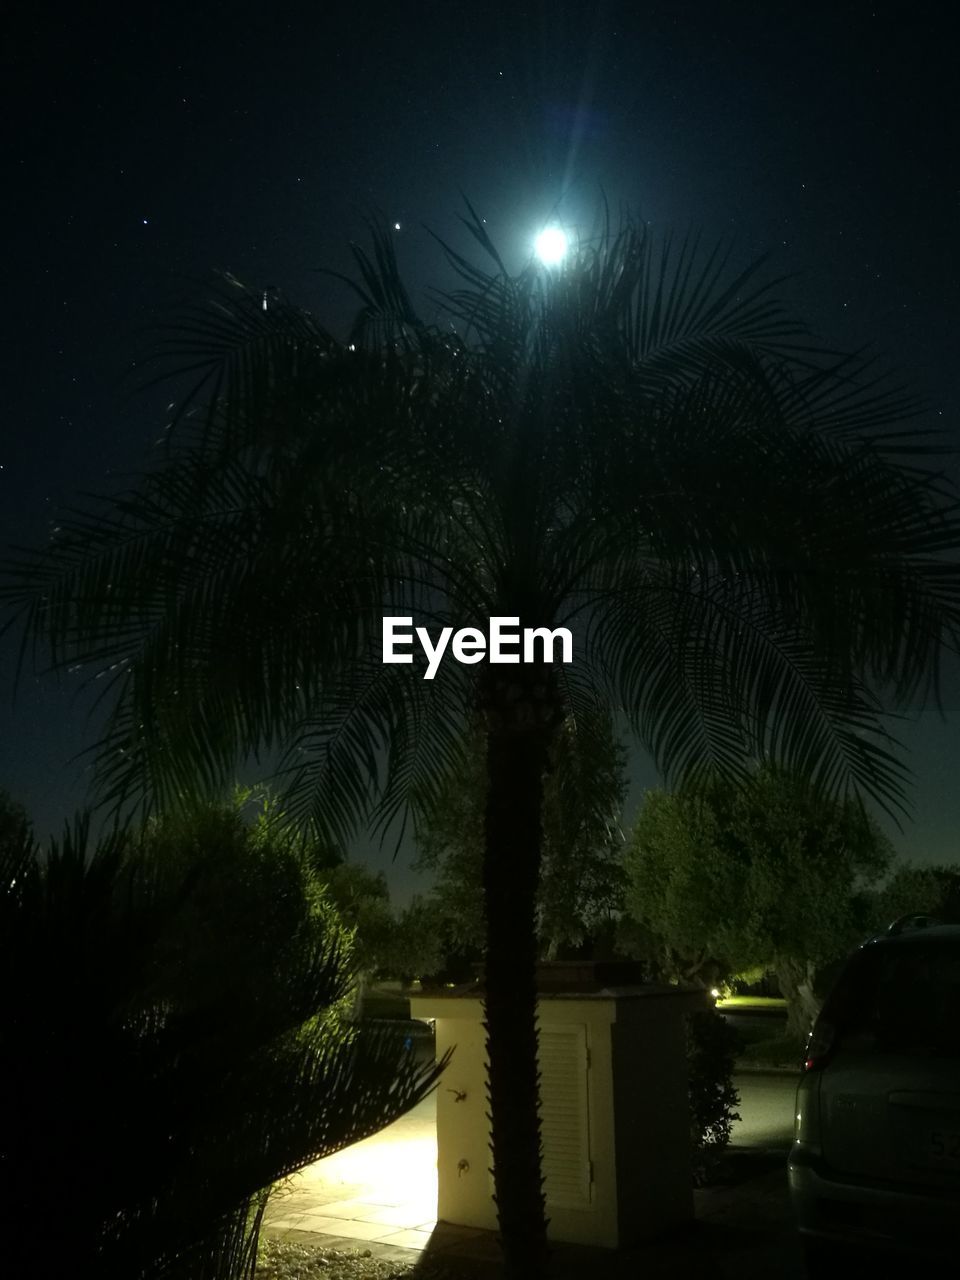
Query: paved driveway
point(766, 1110)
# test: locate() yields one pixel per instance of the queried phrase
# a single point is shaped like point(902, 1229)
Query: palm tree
point(641, 444)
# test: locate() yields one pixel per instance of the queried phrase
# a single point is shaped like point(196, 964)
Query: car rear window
point(900, 998)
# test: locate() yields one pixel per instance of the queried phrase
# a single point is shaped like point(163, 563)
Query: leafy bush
point(173, 1042)
point(711, 1050)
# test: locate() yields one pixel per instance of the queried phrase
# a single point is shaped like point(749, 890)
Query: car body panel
point(876, 1153)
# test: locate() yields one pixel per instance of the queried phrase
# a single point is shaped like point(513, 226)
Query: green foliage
point(722, 880)
point(174, 1041)
point(746, 875)
point(450, 842)
point(645, 440)
point(933, 890)
point(385, 943)
point(711, 1051)
point(581, 877)
point(415, 945)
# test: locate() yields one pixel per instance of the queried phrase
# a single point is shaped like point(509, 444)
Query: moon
point(551, 246)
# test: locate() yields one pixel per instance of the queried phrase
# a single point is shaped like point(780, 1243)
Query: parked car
point(875, 1163)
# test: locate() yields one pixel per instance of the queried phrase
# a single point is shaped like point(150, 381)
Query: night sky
point(147, 147)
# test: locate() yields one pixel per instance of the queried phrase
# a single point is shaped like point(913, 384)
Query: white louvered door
point(564, 1116)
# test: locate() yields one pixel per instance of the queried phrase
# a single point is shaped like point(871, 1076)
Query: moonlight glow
point(551, 246)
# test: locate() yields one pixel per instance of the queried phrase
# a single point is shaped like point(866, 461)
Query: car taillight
point(820, 1045)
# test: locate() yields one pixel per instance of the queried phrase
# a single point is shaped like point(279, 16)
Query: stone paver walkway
point(380, 1191)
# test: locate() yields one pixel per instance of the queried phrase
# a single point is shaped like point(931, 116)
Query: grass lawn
point(731, 1003)
point(759, 1048)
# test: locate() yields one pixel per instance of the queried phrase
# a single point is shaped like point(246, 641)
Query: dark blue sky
point(147, 147)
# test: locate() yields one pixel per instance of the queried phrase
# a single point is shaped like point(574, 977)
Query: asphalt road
point(767, 1109)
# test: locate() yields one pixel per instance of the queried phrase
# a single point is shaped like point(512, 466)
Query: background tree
point(641, 443)
point(932, 890)
point(726, 879)
point(174, 1041)
point(581, 876)
point(386, 943)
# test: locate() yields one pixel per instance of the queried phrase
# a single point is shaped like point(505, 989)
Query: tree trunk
point(356, 997)
point(796, 978)
point(520, 723)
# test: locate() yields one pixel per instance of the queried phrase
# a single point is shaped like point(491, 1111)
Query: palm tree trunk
point(519, 730)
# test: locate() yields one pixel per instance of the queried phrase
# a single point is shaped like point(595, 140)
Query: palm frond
point(173, 1026)
point(557, 445)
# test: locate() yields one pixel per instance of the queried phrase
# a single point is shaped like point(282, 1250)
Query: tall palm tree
point(641, 444)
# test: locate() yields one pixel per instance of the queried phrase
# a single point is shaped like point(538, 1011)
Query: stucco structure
point(613, 1108)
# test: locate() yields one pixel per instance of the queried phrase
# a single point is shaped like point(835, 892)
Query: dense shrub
point(172, 1042)
point(711, 1050)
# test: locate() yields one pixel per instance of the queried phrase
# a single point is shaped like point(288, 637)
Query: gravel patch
point(291, 1260)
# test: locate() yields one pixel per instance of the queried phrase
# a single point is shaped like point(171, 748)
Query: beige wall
point(637, 1114)
point(651, 1149)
